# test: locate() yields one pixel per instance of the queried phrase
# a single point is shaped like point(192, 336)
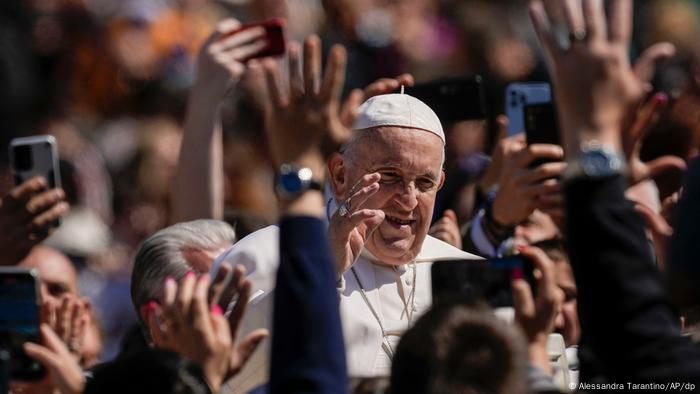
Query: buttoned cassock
point(392, 291)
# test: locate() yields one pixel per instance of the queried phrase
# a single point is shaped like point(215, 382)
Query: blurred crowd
point(111, 80)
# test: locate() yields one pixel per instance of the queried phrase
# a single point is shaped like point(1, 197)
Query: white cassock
point(377, 302)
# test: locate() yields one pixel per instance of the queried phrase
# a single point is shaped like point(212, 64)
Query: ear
point(442, 179)
point(338, 175)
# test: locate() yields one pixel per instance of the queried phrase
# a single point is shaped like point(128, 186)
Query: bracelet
point(494, 230)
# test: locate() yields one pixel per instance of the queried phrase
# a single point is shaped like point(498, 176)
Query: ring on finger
point(578, 35)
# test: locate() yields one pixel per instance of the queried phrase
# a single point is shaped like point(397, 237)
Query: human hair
point(349, 148)
point(454, 349)
point(162, 255)
point(150, 371)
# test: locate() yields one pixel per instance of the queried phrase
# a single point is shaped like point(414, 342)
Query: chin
point(392, 256)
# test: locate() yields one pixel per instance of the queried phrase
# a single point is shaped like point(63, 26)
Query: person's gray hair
point(162, 255)
point(349, 148)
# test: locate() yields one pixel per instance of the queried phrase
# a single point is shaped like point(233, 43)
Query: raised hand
point(68, 321)
point(595, 84)
point(447, 229)
point(221, 61)
point(305, 114)
point(523, 189)
point(63, 368)
point(351, 225)
point(26, 215)
point(537, 316)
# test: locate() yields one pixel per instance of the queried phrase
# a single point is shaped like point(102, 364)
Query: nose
point(408, 196)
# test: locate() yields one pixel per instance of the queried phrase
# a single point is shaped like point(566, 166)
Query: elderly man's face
point(410, 164)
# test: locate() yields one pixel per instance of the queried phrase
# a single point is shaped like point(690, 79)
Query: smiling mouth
point(398, 221)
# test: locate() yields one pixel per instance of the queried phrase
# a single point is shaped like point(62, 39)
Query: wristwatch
point(595, 161)
point(292, 180)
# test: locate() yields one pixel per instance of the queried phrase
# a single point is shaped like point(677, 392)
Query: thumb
point(645, 66)
point(450, 214)
point(522, 298)
point(502, 123)
point(654, 221)
point(665, 163)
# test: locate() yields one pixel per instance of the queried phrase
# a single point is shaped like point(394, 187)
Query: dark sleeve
point(625, 314)
point(308, 353)
point(683, 265)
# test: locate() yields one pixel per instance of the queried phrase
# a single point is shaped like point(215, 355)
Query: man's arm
point(624, 311)
point(198, 187)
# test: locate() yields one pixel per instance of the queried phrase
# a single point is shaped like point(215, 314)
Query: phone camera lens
point(23, 157)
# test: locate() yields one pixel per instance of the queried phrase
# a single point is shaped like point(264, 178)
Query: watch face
point(290, 182)
point(598, 163)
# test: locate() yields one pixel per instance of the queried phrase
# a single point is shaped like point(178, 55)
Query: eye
point(426, 184)
point(389, 177)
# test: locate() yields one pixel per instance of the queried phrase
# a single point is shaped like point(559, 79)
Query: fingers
point(154, 316)
point(238, 39)
point(273, 81)
point(296, 83)
point(183, 299)
point(543, 172)
point(647, 116)
point(594, 19)
point(227, 25)
point(502, 123)
point(23, 192)
point(538, 151)
point(312, 64)
point(522, 298)
point(664, 164)
point(387, 85)
point(358, 199)
point(250, 343)
point(543, 29)
point(334, 77)
point(243, 290)
point(645, 66)
point(216, 290)
point(547, 281)
point(199, 309)
point(348, 111)
point(450, 215)
point(620, 25)
point(168, 303)
point(573, 15)
point(656, 223)
point(230, 293)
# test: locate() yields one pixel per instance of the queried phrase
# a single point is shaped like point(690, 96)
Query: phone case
point(520, 94)
point(42, 159)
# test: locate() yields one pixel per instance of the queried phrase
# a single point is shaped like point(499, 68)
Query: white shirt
point(383, 286)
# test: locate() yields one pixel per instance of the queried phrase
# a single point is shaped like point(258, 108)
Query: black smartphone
point(489, 280)
point(541, 124)
point(19, 320)
point(32, 156)
point(36, 156)
point(453, 99)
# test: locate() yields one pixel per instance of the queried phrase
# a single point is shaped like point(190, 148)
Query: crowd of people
point(244, 224)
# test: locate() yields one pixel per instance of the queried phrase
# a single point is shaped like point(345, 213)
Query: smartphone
point(480, 280)
point(36, 156)
point(541, 124)
point(19, 320)
point(453, 99)
point(520, 94)
point(32, 156)
point(541, 127)
point(274, 35)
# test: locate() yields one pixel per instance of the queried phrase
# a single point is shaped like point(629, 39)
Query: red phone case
point(274, 34)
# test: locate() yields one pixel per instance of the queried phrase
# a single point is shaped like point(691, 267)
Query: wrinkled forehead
point(391, 139)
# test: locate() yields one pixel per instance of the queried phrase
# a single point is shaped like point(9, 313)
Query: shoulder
point(436, 250)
